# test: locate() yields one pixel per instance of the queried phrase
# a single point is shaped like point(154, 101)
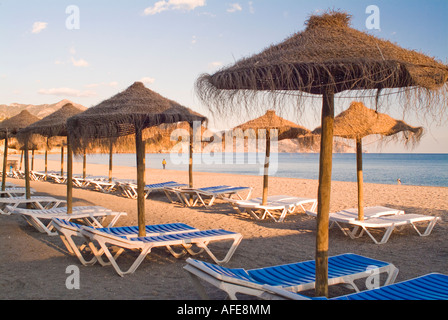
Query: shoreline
point(78, 169)
point(33, 265)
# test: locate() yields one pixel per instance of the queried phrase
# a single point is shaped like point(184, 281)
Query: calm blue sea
point(384, 168)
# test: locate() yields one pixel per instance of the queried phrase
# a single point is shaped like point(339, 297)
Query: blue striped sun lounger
point(296, 277)
point(433, 286)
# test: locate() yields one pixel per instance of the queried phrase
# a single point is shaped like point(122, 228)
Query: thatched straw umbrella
point(358, 122)
point(285, 129)
point(10, 127)
point(127, 113)
point(54, 125)
point(328, 57)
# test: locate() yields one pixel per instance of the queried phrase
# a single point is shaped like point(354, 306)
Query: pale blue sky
point(167, 44)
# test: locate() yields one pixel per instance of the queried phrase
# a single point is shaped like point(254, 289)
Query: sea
point(383, 168)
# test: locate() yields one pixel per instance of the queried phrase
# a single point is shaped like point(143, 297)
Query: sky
point(88, 51)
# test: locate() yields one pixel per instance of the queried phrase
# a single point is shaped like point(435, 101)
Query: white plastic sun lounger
point(15, 192)
point(279, 206)
point(201, 195)
point(7, 205)
point(100, 185)
point(296, 277)
point(433, 286)
point(144, 245)
point(130, 189)
point(90, 215)
point(184, 193)
point(387, 222)
point(57, 178)
point(67, 230)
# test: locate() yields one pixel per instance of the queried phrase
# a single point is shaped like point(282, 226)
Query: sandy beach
point(33, 265)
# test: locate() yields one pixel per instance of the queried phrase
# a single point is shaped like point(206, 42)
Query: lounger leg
point(236, 241)
point(143, 253)
point(428, 229)
point(73, 249)
point(386, 235)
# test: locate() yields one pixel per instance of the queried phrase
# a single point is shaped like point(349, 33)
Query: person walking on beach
point(164, 163)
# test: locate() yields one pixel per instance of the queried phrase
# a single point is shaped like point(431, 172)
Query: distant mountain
point(40, 111)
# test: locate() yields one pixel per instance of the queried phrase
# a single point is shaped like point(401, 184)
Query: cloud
point(164, 5)
point(38, 27)
point(67, 92)
point(147, 80)
point(234, 7)
point(80, 63)
point(215, 65)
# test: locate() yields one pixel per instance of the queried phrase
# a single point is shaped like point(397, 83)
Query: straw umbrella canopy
point(269, 124)
point(327, 58)
point(358, 122)
point(54, 125)
point(10, 127)
point(127, 113)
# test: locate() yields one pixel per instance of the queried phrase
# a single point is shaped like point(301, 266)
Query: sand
point(33, 265)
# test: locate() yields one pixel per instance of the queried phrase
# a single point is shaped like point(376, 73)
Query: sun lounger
point(279, 206)
point(38, 176)
point(7, 205)
point(67, 230)
point(100, 185)
point(15, 192)
point(144, 245)
point(300, 276)
point(130, 189)
point(210, 194)
point(181, 193)
point(433, 286)
point(90, 215)
point(57, 178)
point(354, 228)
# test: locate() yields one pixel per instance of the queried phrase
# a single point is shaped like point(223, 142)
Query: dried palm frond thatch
point(327, 55)
point(124, 114)
point(52, 125)
point(358, 122)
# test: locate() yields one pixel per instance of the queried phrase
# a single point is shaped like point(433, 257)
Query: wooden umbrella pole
point(5, 160)
point(360, 179)
point(69, 177)
point(46, 164)
point(140, 156)
point(32, 160)
point(111, 149)
point(324, 191)
point(84, 165)
point(266, 167)
point(190, 164)
point(27, 175)
point(21, 160)
point(62, 161)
